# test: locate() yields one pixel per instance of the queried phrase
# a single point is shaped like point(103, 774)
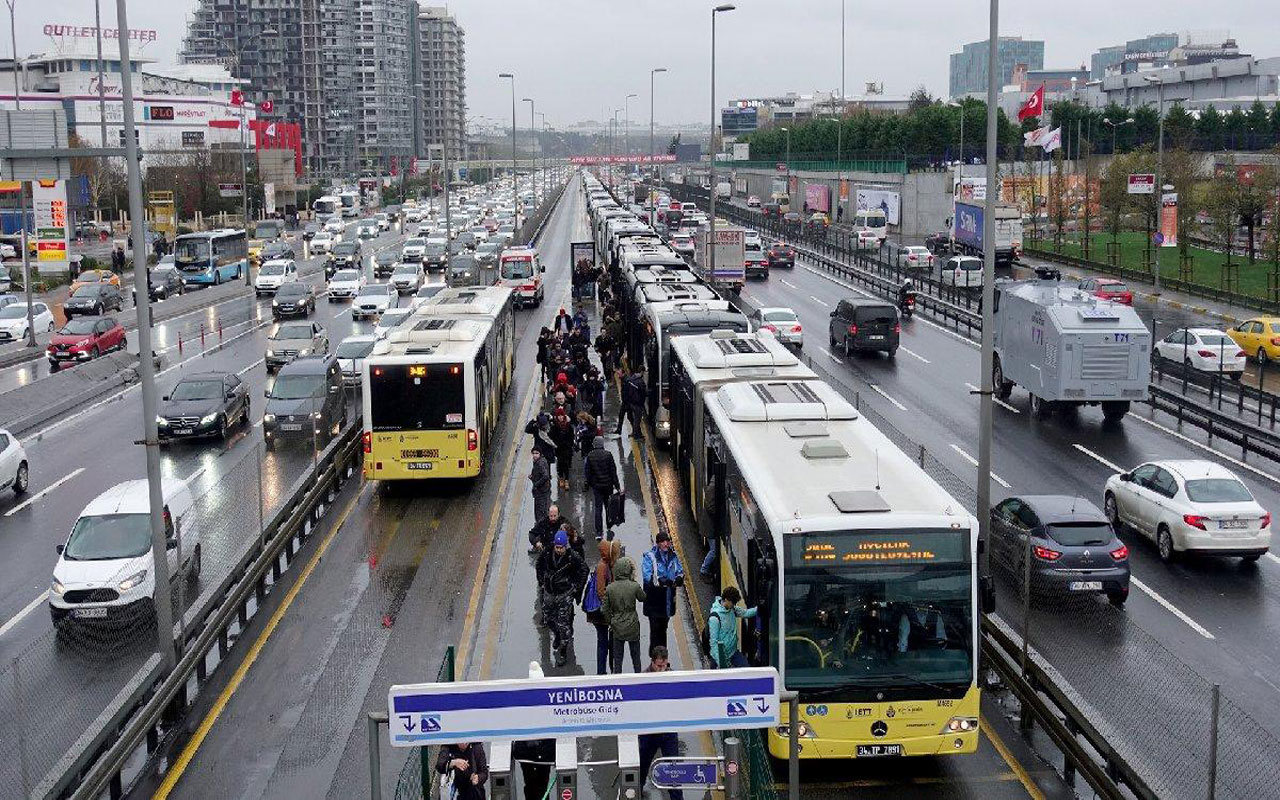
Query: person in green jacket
point(722, 628)
point(619, 608)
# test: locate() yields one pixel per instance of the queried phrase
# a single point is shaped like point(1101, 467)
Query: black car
point(793, 221)
point(860, 323)
point(434, 256)
point(938, 243)
point(273, 251)
point(95, 299)
point(343, 255)
point(392, 212)
point(164, 281)
point(293, 299)
point(305, 402)
point(464, 270)
point(384, 263)
point(781, 254)
point(309, 232)
point(203, 404)
point(1074, 549)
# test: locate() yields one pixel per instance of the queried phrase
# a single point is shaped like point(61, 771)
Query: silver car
point(351, 353)
point(782, 323)
point(289, 340)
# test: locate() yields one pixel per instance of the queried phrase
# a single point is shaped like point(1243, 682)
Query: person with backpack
point(662, 572)
point(601, 473)
point(620, 612)
point(466, 767)
point(593, 600)
point(722, 629)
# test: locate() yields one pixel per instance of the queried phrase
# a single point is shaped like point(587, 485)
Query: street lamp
point(960, 105)
point(711, 231)
point(1159, 83)
point(1114, 125)
point(533, 145)
point(515, 195)
point(653, 167)
point(614, 142)
point(626, 129)
point(787, 131)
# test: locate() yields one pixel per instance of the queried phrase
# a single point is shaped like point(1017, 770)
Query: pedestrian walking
point(632, 403)
point(591, 395)
point(722, 628)
point(653, 743)
point(465, 770)
point(593, 600)
point(544, 529)
point(563, 323)
point(118, 260)
point(561, 576)
point(601, 472)
point(620, 611)
point(540, 484)
point(662, 572)
point(544, 350)
point(562, 438)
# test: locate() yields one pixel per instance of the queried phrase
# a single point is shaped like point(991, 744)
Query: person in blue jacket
point(722, 628)
point(662, 572)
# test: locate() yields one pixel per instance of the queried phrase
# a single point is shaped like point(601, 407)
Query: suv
point(344, 255)
point(860, 323)
point(305, 402)
point(292, 340)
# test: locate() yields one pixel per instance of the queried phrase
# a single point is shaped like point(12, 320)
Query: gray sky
point(580, 58)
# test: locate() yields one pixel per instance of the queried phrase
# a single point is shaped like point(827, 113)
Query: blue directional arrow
point(408, 722)
point(761, 705)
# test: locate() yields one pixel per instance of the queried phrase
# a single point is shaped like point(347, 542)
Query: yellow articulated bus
point(863, 570)
point(433, 392)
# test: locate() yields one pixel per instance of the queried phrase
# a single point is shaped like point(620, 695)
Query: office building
point(969, 66)
point(1149, 51)
point(441, 89)
point(741, 117)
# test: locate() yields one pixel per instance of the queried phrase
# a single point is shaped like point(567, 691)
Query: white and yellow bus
point(434, 390)
point(864, 571)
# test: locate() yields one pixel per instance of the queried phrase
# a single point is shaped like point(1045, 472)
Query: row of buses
point(863, 569)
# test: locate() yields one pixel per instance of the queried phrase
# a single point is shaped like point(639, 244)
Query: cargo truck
point(1068, 348)
point(730, 273)
point(967, 231)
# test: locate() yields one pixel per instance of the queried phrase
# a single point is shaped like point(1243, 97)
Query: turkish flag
point(266, 106)
point(237, 97)
point(1034, 106)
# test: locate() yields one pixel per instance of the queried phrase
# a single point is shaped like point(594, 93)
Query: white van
point(105, 571)
point(963, 272)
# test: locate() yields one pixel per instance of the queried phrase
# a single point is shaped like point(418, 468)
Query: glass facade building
point(969, 66)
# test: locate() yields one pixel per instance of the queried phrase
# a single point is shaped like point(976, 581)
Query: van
point(306, 402)
point(962, 272)
point(105, 573)
point(860, 323)
point(520, 269)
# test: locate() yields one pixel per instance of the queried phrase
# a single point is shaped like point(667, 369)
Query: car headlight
point(133, 581)
point(208, 418)
point(275, 302)
point(316, 415)
point(161, 422)
point(57, 588)
point(304, 351)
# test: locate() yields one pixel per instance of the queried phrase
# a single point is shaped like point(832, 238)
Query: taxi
point(91, 276)
point(1258, 337)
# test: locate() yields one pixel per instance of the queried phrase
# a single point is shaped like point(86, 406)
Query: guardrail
point(1220, 387)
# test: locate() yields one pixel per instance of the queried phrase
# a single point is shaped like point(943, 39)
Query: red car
point(1107, 289)
point(84, 338)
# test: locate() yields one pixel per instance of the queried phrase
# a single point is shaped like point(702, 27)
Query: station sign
point(591, 705)
point(686, 773)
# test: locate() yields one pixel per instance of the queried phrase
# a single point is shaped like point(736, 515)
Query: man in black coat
point(633, 393)
point(544, 530)
point(602, 476)
point(561, 575)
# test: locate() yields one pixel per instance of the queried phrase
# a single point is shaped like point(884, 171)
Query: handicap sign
point(686, 773)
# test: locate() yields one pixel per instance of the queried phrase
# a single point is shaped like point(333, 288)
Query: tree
point(1179, 127)
point(1181, 170)
point(1235, 127)
point(1253, 195)
point(1258, 123)
point(1219, 202)
point(1146, 125)
point(920, 99)
point(1209, 128)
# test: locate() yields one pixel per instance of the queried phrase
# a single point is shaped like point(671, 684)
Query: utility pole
point(22, 190)
point(711, 147)
point(515, 183)
point(653, 167)
point(1159, 82)
point(985, 411)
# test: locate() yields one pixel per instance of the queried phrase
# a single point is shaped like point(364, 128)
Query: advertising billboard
point(888, 202)
point(817, 196)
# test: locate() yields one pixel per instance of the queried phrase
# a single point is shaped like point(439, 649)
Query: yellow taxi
point(91, 276)
point(1258, 337)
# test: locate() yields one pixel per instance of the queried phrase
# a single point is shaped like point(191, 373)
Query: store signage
point(49, 199)
point(193, 138)
point(161, 113)
point(1142, 183)
point(90, 32)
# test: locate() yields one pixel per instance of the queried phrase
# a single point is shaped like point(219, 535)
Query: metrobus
point(872, 219)
point(211, 257)
point(433, 389)
point(326, 206)
point(862, 568)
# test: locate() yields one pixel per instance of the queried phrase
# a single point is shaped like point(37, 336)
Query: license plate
point(290, 427)
point(183, 431)
point(875, 337)
point(1085, 586)
point(89, 613)
point(879, 750)
point(423, 466)
point(1233, 524)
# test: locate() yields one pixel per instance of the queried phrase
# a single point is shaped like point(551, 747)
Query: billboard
point(888, 202)
point(742, 151)
point(1168, 236)
point(1142, 183)
point(631, 159)
point(49, 199)
point(817, 196)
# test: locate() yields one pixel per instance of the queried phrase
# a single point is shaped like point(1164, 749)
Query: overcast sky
point(579, 59)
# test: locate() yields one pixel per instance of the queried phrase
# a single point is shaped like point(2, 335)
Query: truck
point(1068, 348)
point(724, 190)
point(967, 230)
point(730, 249)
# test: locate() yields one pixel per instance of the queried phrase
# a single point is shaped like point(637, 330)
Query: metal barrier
point(1220, 386)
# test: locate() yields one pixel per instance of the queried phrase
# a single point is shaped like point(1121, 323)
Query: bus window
point(400, 401)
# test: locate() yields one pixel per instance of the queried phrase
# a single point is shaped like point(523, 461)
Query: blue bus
point(212, 257)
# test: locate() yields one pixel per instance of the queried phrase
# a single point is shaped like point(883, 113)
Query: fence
point(888, 164)
point(417, 775)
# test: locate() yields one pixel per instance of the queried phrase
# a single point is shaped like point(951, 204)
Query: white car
point(782, 322)
point(14, 473)
point(1204, 349)
point(367, 230)
point(322, 242)
point(334, 225)
point(345, 284)
point(413, 250)
point(407, 278)
point(390, 320)
point(13, 320)
point(425, 293)
point(412, 215)
point(753, 202)
point(373, 300)
point(1190, 506)
point(105, 571)
point(916, 257)
point(351, 353)
point(382, 221)
point(752, 237)
point(867, 240)
point(274, 274)
point(964, 272)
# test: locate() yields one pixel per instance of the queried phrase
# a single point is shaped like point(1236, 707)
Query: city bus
point(211, 257)
point(326, 206)
point(863, 569)
point(434, 388)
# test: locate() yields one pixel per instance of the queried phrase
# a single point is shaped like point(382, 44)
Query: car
point(92, 276)
point(367, 230)
point(781, 254)
point(90, 229)
point(322, 241)
point(1204, 349)
point(164, 281)
point(305, 402)
point(105, 573)
point(390, 320)
point(382, 221)
point(351, 353)
point(463, 270)
point(962, 272)
point(372, 300)
point(487, 253)
point(1107, 289)
point(384, 263)
point(792, 221)
point(753, 201)
point(8, 251)
point(291, 339)
point(466, 239)
point(938, 243)
point(95, 299)
point(682, 243)
point(755, 263)
point(15, 472)
point(345, 284)
point(1189, 507)
point(273, 251)
point(751, 238)
point(782, 322)
point(428, 291)
point(273, 275)
point(203, 404)
point(771, 210)
point(817, 224)
point(335, 225)
point(861, 323)
point(8, 299)
point(413, 215)
point(295, 299)
point(407, 278)
point(1259, 337)
point(1073, 547)
point(310, 230)
point(916, 258)
point(83, 339)
point(413, 250)
point(13, 320)
point(866, 240)
point(344, 255)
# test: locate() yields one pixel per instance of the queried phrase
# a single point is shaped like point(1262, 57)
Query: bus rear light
point(473, 439)
point(366, 441)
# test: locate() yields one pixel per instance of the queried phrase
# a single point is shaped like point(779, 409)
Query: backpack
point(590, 598)
point(704, 639)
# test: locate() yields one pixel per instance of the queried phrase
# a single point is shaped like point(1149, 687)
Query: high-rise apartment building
point(383, 89)
point(969, 66)
point(440, 80)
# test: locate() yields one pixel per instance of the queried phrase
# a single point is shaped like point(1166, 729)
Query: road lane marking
point(885, 395)
point(16, 618)
point(828, 355)
point(1104, 462)
point(1273, 557)
point(251, 366)
point(974, 462)
point(786, 282)
point(40, 494)
point(1171, 608)
point(1203, 446)
point(823, 303)
point(914, 354)
point(994, 399)
point(1033, 791)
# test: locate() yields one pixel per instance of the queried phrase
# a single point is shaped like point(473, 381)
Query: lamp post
point(533, 147)
point(787, 131)
point(711, 147)
point(616, 112)
point(515, 195)
point(22, 190)
point(985, 394)
point(1113, 126)
point(653, 167)
point(626, 130)
point(1159, 83)
point(960, 105)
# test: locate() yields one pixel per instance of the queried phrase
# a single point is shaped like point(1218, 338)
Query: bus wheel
point(217, 278)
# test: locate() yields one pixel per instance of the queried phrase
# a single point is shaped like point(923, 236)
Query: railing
point(1220, 388)
point(897, 166)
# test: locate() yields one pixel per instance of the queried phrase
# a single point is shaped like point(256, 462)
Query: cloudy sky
point(579, 59)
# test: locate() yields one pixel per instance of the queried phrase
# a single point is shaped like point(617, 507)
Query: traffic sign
point(592, 705)
point(686, 773)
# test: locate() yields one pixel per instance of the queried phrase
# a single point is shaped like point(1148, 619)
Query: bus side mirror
point(987, 594)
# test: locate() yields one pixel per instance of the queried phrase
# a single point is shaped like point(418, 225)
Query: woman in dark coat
point(469, 767)
point(562, 436)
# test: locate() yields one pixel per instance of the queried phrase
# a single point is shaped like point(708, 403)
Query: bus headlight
point(960, 725)
point(803, 730)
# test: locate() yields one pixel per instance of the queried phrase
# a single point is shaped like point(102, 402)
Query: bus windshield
point(870, 610)
point(417, 397)
point(192, 251)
